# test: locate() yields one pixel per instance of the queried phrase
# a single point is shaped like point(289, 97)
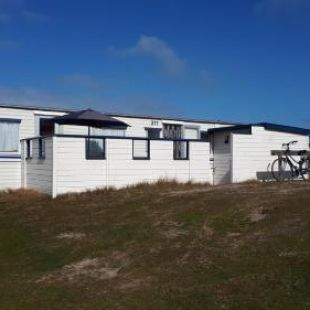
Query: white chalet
point(59, 151)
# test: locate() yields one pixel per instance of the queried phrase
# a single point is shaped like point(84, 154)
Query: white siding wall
point(222, 158)
point(27, 120)
point(10, 174)
point(72, 130)
point(38, 173)
point(10, 170)
point(73, 173)
point(138, 125)
point(251, 153)
point(27, 126)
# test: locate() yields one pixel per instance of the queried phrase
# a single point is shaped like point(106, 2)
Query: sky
point(243, 60)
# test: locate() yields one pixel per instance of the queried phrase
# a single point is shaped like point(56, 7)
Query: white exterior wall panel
point(10, 174)
point(74, 173)
point(27, 125)
point(138, 125)
point(38, 173)
point(251, 153)
point(10, 169)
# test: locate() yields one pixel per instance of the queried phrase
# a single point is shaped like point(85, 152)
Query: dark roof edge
point(230, 128)
point(25, 107)
point(267, 126)
point(284, 128)
point(22, 107)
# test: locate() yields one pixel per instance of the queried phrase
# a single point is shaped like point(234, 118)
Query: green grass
point(168, 246)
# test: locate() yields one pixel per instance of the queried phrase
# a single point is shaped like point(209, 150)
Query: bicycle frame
point(296, 166)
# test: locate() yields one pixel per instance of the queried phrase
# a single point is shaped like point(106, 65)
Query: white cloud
point(159, 50)
point(281, 6)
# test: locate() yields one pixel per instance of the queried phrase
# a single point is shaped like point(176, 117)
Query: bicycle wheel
point(305, 170)
point(281, 170)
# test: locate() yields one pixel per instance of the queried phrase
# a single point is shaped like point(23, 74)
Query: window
point(180, 150)
point(9, 135)
point(172, 131)
point(28, 149)
point(46, 127)
point(41, 143)
point(141, 149)
point(153, 133)
point(226, 141)
point(204, 135)
point(191, 133)
point(95, 148)
point(113, 132)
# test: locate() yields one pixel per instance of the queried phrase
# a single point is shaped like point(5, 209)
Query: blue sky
point(241, 60)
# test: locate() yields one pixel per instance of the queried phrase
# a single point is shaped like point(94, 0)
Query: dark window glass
point(46, 127)
point(28, 149)
point(95, 148)
point(41, 148)
point(180, 150)
point(153, 133)
point(172, 131)
point(204, 135)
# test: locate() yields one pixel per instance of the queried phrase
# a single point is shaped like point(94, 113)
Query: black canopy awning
point(90, 118)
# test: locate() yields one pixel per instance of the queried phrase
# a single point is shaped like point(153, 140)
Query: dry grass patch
point(160, 246)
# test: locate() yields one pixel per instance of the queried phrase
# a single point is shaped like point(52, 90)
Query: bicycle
point(286, 167)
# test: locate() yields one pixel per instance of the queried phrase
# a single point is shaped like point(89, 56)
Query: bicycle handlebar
point(287, 145)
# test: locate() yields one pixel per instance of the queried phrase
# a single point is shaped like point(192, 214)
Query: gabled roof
point(267, 126)
point(89, 118)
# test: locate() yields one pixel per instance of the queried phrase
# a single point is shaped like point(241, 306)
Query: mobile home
point(59, 151)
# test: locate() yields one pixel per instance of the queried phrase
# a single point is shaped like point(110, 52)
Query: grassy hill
point(165, 246)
